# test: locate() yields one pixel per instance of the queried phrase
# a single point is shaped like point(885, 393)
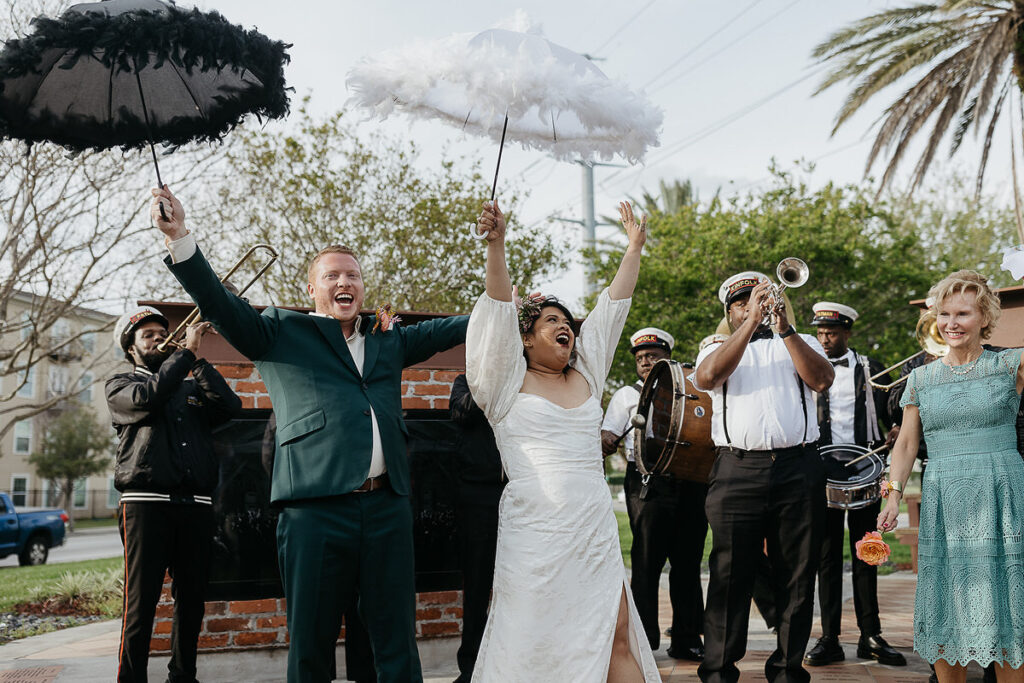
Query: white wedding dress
point(558, 575)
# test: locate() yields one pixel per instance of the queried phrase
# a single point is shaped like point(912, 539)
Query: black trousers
point(478, 540)
point(668, 525)
point(773, 496)
point(830, 573)
point(161, 537)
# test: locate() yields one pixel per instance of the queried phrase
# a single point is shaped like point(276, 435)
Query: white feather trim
point(1013, 261)
point(557, 100)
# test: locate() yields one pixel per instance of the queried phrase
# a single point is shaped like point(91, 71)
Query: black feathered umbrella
point(129, 73)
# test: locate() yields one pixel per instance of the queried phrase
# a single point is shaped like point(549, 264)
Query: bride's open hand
point(635, 232)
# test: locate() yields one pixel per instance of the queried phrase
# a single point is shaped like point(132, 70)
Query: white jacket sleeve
point(599, 336)
point(495, 366)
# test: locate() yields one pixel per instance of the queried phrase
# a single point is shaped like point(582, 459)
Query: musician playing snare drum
point(850, 412)
point(667, 521)
point(767, 482)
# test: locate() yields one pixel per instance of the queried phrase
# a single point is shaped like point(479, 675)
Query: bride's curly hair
point(986, 300)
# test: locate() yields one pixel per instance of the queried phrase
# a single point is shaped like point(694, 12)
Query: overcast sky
point(735, 81)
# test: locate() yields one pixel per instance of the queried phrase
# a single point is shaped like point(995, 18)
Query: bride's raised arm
point(625, 278)
point(601, 330)
point(494, 348)
point(492, 224)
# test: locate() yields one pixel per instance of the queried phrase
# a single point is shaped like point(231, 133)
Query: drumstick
point(861, 457)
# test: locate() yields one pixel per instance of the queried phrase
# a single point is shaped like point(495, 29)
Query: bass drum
point(673, 425)
point(851, 487)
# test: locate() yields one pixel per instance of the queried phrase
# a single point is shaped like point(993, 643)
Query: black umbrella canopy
point(125, 73)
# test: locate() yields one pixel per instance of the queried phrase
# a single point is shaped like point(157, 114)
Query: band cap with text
point(127, 323)
point(738, 285)
point(830, 313)
point(651, 337)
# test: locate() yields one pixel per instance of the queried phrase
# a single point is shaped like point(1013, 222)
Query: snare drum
point(673, 425)
point(855, 486)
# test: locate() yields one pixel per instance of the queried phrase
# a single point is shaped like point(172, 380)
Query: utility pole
point(589, 221)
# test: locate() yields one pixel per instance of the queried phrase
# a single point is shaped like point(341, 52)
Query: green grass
point(19, 584)
point(900, 553)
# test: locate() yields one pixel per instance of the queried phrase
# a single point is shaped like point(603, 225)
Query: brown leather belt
point(372, 484)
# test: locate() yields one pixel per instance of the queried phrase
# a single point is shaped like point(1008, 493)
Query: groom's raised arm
point(240, 324)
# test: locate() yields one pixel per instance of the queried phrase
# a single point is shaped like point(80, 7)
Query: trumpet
point(931, 342)
point(791, 273)
point(174, 339)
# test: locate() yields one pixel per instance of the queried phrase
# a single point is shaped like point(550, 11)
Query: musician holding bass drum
point(850, 412)
point(767, 482)
point(666, 516)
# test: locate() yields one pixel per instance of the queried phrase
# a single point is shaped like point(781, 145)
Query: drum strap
point(725, 408)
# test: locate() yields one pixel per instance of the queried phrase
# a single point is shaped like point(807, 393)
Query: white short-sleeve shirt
point(621, 409)
point(764, 399)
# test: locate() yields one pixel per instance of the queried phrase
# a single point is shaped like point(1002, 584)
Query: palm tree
point(971, 53)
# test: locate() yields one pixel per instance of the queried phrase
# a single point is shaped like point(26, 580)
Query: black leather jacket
point(163, 423)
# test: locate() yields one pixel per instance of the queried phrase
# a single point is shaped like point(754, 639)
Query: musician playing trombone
point(850, 412)
point(767, 483)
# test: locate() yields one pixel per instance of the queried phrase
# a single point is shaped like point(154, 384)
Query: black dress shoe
point(875, 647)
point(825, 651)
point(694, 653)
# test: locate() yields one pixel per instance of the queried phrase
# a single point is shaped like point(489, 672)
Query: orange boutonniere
point(872, 549)
point(386, 318)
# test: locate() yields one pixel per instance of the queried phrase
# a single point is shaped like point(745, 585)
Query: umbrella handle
point(477, 235)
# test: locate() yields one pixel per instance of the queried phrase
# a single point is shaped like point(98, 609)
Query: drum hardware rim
point(677, 376)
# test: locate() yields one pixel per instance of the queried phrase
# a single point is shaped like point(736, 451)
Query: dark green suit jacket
point(321, 401)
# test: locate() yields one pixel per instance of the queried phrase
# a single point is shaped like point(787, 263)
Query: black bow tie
point(845, 362)
point(762, 333)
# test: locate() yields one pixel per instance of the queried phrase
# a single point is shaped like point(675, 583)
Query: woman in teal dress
point(970, 584)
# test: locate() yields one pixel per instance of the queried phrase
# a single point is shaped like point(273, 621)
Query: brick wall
point(245, 624)
point(420, 388)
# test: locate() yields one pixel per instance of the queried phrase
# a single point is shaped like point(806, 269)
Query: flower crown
point(529, 310)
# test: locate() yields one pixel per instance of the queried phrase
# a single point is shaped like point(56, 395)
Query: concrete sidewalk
point(89, 653)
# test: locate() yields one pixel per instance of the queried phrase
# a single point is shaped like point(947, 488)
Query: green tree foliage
point(76, 445)
point(873, 255)
point(325, 182)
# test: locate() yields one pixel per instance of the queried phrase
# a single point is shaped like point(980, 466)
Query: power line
point(701, 43)
point(623, 25)
point(676, 147)
point(714, 54)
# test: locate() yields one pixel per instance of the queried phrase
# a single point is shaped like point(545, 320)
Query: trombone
point(173, 340)
point(931, 342)
point(791, 273)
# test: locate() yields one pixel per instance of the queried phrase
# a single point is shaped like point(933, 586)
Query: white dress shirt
point(184, 248)
point(841, 400)
point(621, 409)
point(764, 399)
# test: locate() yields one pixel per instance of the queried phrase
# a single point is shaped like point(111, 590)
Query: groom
point(340, 474)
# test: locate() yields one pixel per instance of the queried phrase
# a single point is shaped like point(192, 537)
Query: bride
point(560, 608)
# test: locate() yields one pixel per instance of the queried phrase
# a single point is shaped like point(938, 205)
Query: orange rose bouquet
point(872, 549)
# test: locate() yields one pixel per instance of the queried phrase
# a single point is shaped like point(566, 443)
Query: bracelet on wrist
point(890, 486)
point(788, 333)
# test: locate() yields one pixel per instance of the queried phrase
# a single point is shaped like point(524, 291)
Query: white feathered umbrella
point(502, 82)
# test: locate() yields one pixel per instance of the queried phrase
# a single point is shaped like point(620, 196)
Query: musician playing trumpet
point(850, 412)
point(767, 483)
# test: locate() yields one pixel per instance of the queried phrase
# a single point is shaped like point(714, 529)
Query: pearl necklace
point(966, 370)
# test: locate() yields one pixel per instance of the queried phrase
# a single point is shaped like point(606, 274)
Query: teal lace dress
point(970, 581)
